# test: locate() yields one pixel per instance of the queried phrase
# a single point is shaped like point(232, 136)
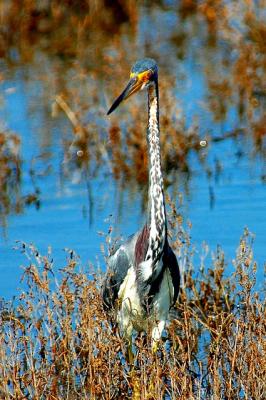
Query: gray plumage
point(119, 262)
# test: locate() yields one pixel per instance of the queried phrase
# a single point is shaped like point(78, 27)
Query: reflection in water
point(10, 167)
point(60, 68)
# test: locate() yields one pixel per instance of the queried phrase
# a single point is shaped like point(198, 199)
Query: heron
point(142, 280)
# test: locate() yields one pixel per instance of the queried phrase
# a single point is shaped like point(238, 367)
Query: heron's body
point(143, 275)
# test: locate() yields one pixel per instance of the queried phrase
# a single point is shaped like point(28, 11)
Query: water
point(219, 204)
point(63, 218)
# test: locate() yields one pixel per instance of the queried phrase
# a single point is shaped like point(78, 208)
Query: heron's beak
point(133, 86)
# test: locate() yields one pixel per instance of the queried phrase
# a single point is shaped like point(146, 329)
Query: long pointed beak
point(132, 87)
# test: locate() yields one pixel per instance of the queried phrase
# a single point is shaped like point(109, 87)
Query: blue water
point(67, 219)
point(63, 219)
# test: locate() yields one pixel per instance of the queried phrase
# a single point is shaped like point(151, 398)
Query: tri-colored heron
point(143, 276)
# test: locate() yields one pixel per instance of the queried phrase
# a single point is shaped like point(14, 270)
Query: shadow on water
point(65, 166)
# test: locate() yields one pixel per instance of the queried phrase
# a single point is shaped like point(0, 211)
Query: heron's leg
point(130, 353)
point(156, 335)
point(128, 335)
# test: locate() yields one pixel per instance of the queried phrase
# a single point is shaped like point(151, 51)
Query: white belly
point(132, 315)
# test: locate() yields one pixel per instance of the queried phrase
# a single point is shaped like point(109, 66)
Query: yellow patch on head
point(143, 76)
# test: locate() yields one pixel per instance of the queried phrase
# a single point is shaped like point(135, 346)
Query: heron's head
point(143, 73)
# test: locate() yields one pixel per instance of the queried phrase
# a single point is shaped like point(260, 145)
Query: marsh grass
point(56, 342)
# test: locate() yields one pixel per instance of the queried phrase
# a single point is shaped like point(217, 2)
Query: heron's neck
point(156, 216)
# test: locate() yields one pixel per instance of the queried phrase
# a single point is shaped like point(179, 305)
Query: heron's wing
point(170, 261)
point(120, 260)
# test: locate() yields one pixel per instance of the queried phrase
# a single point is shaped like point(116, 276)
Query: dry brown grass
point(57, 343)
point(55, 340)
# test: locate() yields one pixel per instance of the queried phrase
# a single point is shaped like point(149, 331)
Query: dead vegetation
point(57, 343)
point(55, 340)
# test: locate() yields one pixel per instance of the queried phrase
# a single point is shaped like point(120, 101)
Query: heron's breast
point(131, 310)
point(128, 295)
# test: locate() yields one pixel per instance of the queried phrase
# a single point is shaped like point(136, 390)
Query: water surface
point(223, 193)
